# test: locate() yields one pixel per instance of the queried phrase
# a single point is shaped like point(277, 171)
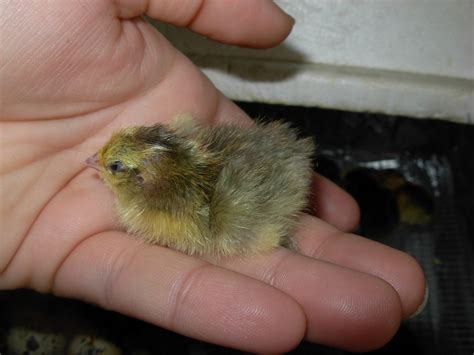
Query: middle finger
point(344, 308)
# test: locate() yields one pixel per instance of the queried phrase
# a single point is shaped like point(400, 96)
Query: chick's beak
point(93, 162)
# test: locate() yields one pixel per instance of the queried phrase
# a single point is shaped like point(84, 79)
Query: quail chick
point(224, 191)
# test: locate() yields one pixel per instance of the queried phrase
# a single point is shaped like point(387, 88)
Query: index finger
point(180, 293)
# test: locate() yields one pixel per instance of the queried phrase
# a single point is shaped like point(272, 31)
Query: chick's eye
point(116, 166)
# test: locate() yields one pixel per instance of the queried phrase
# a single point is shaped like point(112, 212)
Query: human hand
point(73, 72)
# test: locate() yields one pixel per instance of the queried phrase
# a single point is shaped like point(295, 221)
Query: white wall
point(408, 57)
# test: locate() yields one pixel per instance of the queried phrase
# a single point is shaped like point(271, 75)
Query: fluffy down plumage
point(224, 190)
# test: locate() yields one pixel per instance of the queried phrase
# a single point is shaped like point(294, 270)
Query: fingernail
point(293, 20)
point(422, 306)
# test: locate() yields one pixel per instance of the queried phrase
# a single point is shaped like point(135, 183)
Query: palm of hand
point(65, 88)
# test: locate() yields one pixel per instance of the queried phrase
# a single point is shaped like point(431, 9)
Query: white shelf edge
point(345, 88)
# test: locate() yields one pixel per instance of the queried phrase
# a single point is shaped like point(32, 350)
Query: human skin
point(72, 72)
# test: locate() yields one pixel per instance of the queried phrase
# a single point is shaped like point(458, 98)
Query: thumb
point(242, 22)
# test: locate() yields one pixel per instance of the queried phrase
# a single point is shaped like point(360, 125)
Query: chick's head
point(133, 157)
